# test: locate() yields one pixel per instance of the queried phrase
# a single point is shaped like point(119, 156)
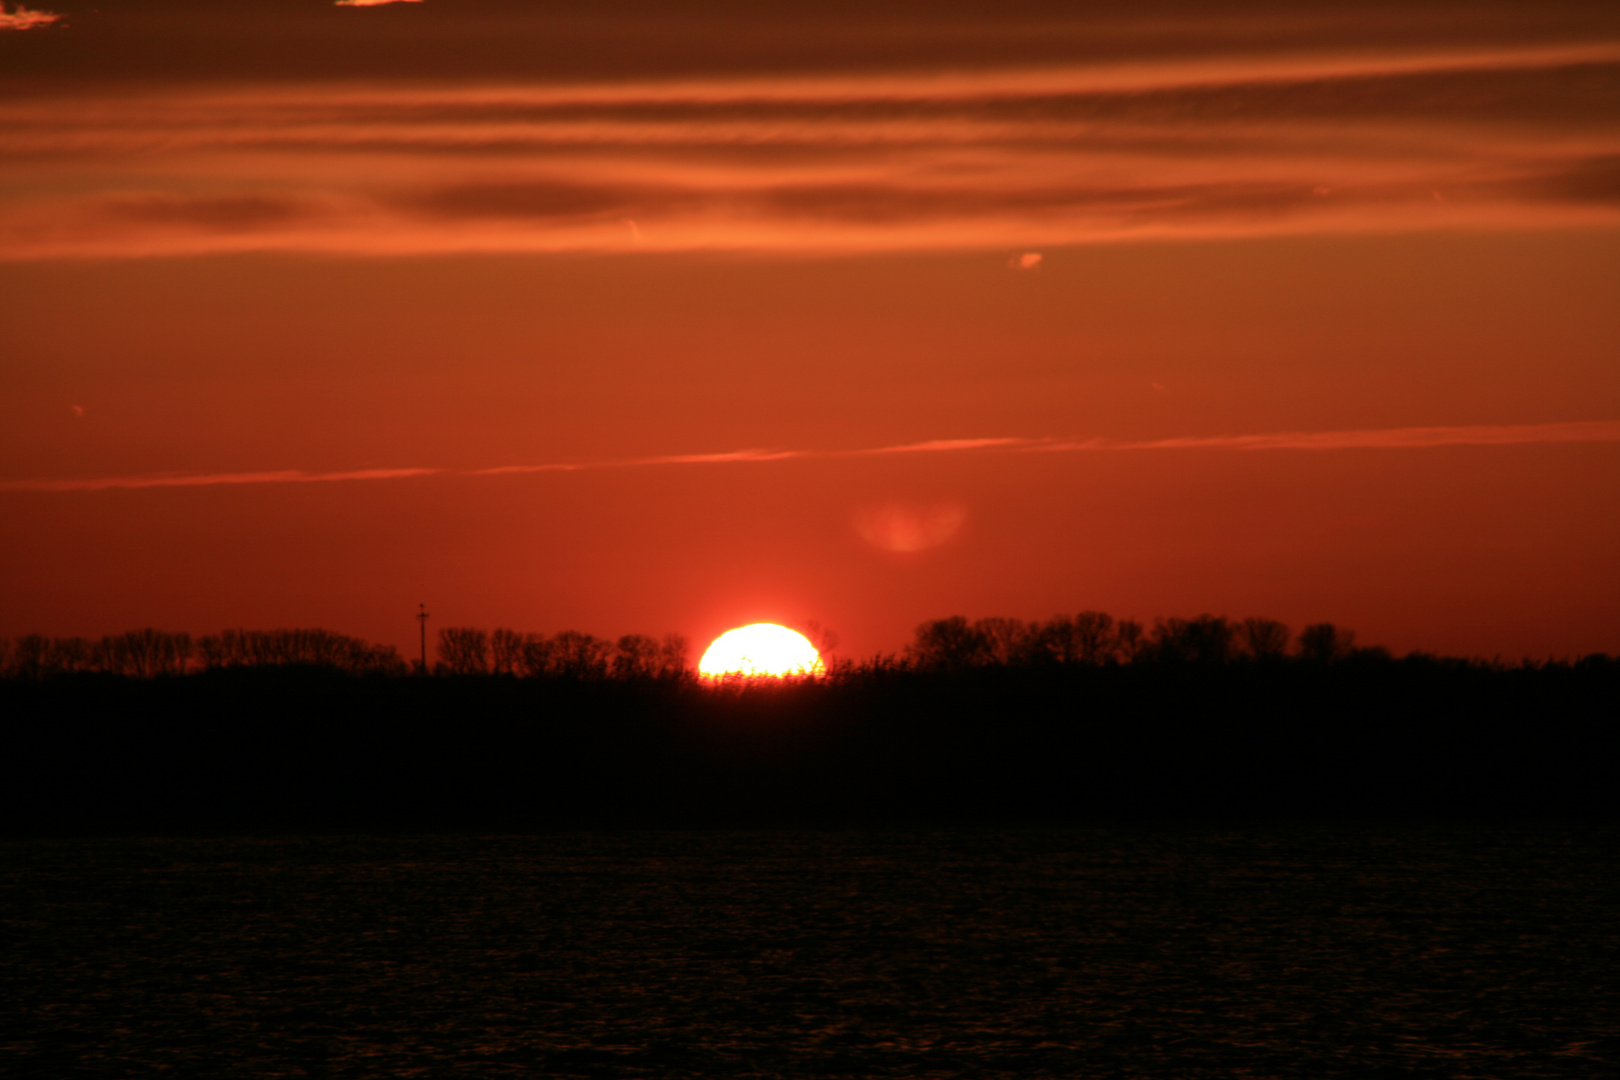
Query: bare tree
point(825, 642)
point(635, 657)
point(1096, 638)
point(1052, 642)
point(144, 654)
point(308, 647)
point(464, 650)
point(579, 656)
point(673, 656)
point(1130, 642)
point(212, 652)
point(72, 654)
point(1264, 639)
point(1086, 638)
point(506, 650)
point(1008, 641)
point(31, 657)
point(534, 657)
point(1324, 643)
point(948, 644)
point(1206, 639)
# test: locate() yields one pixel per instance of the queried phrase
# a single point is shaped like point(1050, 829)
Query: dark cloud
point(229, 213)
point(898, 204)
point(537, 199)
point(558, 41)
point(1512, 134)
point(1593, 181)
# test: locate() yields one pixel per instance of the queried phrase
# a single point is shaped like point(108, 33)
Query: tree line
point(1086, 639)
point(465, 650)
point(150, 653)
point(1096, 638)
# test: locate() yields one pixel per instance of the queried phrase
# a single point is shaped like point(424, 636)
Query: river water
point(1316, 953)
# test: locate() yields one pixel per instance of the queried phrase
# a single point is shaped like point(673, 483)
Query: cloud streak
point(1408, 438)
point(188, 480)
point(1009, 160)
point(25, 18)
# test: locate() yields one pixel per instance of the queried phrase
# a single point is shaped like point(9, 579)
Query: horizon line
point(1405, 438)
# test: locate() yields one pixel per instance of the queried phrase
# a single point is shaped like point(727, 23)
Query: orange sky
point(552, 320)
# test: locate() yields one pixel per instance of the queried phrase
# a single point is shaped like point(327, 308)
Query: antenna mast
point(422, 618)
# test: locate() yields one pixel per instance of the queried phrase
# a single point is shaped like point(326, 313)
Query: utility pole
point(422, 617)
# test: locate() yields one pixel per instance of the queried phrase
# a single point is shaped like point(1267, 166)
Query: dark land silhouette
point(1080, 718)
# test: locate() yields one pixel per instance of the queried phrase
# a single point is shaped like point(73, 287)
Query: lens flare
point(760, 650)
point(905, 528)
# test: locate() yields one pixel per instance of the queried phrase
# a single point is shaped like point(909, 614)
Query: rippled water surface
point(1311, 953)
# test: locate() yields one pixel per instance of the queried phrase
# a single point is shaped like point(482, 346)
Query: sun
point(760, 649)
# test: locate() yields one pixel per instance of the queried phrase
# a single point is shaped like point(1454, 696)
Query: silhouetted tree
point(1096, 638)
point(30, 657)
point(825, 641)
point(948, 645)
point(636, 656)
point(1323, 643)
point(71, 654)
point(639, 656)
point(312, 648)
point(464, 650)
point(1052, 642)
point(212, 652)
point(143, 654)
point(579, 656)
point(534, 656)
point(673, 656)
point(1206, 639)
point(39, 657)
point(506, 651)
point(1007, 641)
point(1264, 639)
point(1130, 641)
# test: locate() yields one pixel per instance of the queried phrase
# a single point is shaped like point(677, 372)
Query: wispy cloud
point(1016, 160)
point(1408, 438)
point(25, 18)
point(372, 3)
point(174, 480)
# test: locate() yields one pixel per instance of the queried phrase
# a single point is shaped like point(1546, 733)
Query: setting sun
point(761, 649)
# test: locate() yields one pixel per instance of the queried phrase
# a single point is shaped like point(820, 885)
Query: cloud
point(1513, 138)
point(534, 199)
point(25, 18)
point(172, 480)
point(372, 3)
point(218, 212)
point(1408, 438)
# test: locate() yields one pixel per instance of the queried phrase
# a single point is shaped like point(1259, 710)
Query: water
point(1075, 953)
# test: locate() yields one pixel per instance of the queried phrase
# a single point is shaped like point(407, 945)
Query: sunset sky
point(639, 317)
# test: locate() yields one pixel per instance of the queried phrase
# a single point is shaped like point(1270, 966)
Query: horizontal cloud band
point(1410, 438)
point(1510, 137)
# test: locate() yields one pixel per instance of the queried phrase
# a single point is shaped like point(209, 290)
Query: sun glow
point(760, 650)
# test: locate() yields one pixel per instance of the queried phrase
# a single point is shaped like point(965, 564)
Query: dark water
point(1081, 953)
